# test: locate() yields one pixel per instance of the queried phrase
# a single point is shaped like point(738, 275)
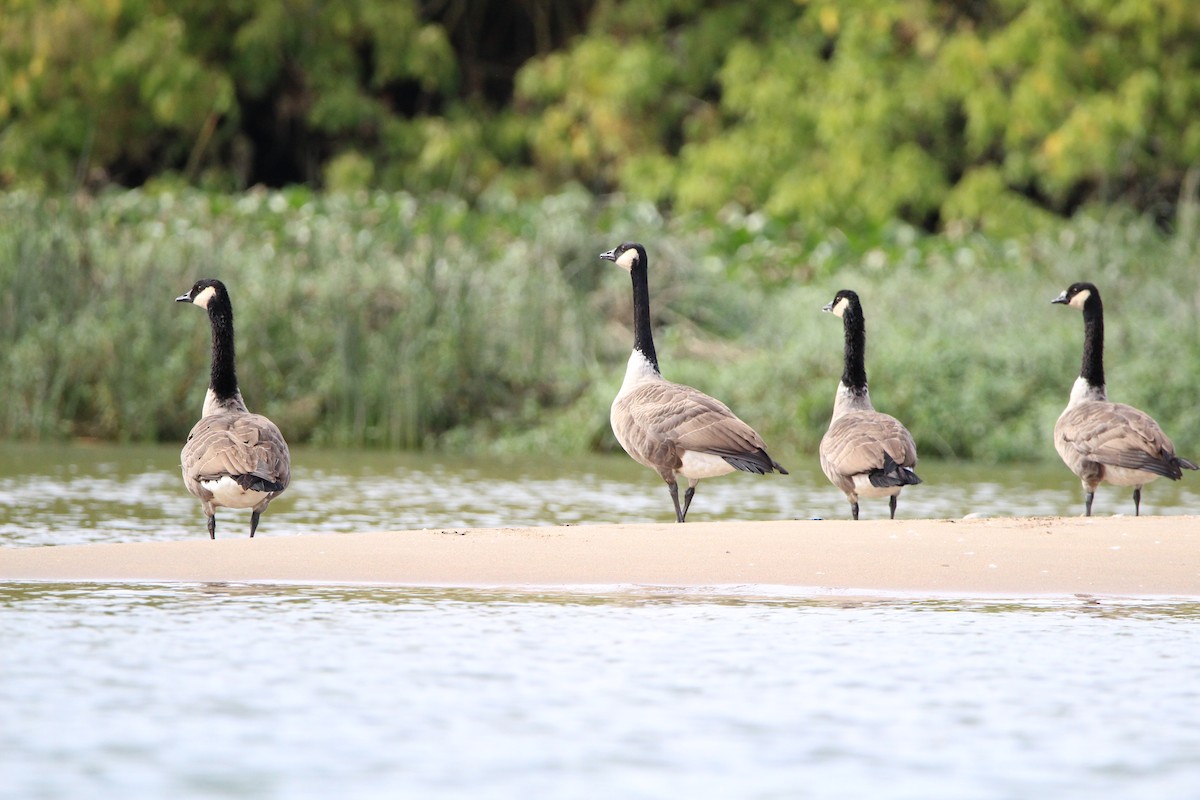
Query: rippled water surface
point(71, 494)
point(229, 691)
point(245, 691)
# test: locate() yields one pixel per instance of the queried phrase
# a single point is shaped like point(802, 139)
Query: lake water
point(248, 691)
point(302, 692)
point(74, 494)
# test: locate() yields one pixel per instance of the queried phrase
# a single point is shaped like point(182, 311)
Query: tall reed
point(387, 320)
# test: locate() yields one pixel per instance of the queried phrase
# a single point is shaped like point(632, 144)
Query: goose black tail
point(1172, 466)
point(757, 462)
point(256, 483)
point(892, 474)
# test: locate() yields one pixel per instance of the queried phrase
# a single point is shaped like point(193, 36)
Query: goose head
point(627, 255)
point(202, 292)
point(841, 302)
point(1078, 294)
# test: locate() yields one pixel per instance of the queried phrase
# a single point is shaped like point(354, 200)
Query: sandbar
point(1018, 556)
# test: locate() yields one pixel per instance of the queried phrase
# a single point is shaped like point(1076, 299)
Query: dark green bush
point(1002, 116)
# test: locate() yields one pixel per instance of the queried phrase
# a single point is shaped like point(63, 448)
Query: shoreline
point(1011, 556)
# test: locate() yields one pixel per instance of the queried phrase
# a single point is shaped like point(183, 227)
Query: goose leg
point(1087, 497)
point(254, 515)
point(212, 527)
point(674, 489)
point(687, 499)
point(1137, 501)
point(892, 505)
point(854, 510)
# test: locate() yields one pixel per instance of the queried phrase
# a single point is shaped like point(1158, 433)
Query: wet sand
point(999, 556)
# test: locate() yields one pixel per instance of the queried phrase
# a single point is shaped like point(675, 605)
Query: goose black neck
point(223, 381)
point(1092, 369)
point(854, 373)
point(643, 338)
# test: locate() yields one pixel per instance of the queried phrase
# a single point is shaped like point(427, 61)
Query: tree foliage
point(1001, 114)
point(263, 91)
point(856, 113)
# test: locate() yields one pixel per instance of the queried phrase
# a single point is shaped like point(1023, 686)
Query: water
point(75, 494)
point(249, 691)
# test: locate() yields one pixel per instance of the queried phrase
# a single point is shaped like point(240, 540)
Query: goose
point(232, 458)
point(1101, 441)
point(864, 453)
point(673, 429)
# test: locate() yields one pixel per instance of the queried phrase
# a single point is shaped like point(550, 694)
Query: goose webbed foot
point(1137, 501)
point(1087, 503)
point(254, 517)
point(892, 505)
point(212, 527)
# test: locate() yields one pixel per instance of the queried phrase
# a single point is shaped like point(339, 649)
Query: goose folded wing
point(665, 419)
point(1118, 435)
point(857, 443)
point(237, 445)
point(704, 424)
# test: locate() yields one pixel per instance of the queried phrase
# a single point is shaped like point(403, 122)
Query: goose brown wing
point(238, 446)
point(662, 420)
point(1116, 435)
point(857, 442)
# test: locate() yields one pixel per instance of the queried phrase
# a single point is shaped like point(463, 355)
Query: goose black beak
point(828, 307)
point(611, 255)
point(184, 298)
point(1062, 298)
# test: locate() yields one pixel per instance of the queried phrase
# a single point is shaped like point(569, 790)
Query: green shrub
point(379, 319)
point(948, 116)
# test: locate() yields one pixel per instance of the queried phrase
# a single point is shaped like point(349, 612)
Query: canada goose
point(675, 429)
point(864, 453)
point(232, 458)
point(1105, 442)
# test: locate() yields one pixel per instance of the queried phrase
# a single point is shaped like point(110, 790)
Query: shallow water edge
point(1183, 606)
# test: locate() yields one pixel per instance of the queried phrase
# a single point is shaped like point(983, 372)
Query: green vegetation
point(427, 277)
point(853, 114)
point(999, 115)
point(379, 319)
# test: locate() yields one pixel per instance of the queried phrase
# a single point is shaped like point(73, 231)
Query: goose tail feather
point(892, 474)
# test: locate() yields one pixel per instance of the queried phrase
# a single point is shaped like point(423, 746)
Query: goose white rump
point(226, 492)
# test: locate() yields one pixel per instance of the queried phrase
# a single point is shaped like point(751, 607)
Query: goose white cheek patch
point(628, 259)
point(205, 297)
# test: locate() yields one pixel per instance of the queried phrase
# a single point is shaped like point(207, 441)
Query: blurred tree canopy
point(993, 113)
point(241, 92)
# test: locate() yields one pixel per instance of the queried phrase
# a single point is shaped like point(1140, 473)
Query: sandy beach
point(999, 556)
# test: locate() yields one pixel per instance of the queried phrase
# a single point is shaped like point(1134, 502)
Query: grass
point(389, 321)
